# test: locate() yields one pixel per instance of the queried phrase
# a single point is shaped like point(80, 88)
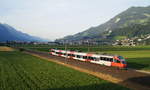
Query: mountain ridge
point(131, 16)
point(8, 33)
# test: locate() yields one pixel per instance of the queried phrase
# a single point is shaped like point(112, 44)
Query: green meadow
point(136, 59)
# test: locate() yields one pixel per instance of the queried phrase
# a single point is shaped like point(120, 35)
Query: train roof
point(84, 53)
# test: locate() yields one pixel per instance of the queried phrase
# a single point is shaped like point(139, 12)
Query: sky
point(53, 19)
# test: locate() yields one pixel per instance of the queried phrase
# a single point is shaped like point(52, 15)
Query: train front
point(119, 61)
point(123, 62)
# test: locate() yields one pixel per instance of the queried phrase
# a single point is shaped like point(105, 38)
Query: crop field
point(137, 57)
point(3, 48)
point(20, 71)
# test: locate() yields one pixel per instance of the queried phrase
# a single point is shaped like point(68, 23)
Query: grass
point(120, 37)
point(22, 71)
point(94, 48)
point(137, 57)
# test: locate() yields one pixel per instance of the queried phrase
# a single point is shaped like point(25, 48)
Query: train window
point(117, 61)
point(111, 59)
point(123, 62)
point(95, 59)
point(69, 54)
point(72, 55)
point(78, 56)
point(84, 57)
point(52, 51)
point(107, 59)
point(91, 58)
point(103, 58)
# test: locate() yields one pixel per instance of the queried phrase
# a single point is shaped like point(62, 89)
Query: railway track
point(130, 78)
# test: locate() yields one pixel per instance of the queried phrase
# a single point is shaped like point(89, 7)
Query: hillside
point(136, 30)
point(133, 20)
point(8, 33)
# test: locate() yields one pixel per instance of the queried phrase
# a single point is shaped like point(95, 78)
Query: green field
point(20, 71)
point(91, 48)
point(137, 57)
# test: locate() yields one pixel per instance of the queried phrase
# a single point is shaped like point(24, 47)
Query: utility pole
point(66, 51)
point(88, 46)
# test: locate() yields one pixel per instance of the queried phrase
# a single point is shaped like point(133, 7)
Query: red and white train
point(108, 60)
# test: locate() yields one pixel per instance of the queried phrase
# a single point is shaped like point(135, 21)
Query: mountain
point(8, 33)
point(134, 21)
